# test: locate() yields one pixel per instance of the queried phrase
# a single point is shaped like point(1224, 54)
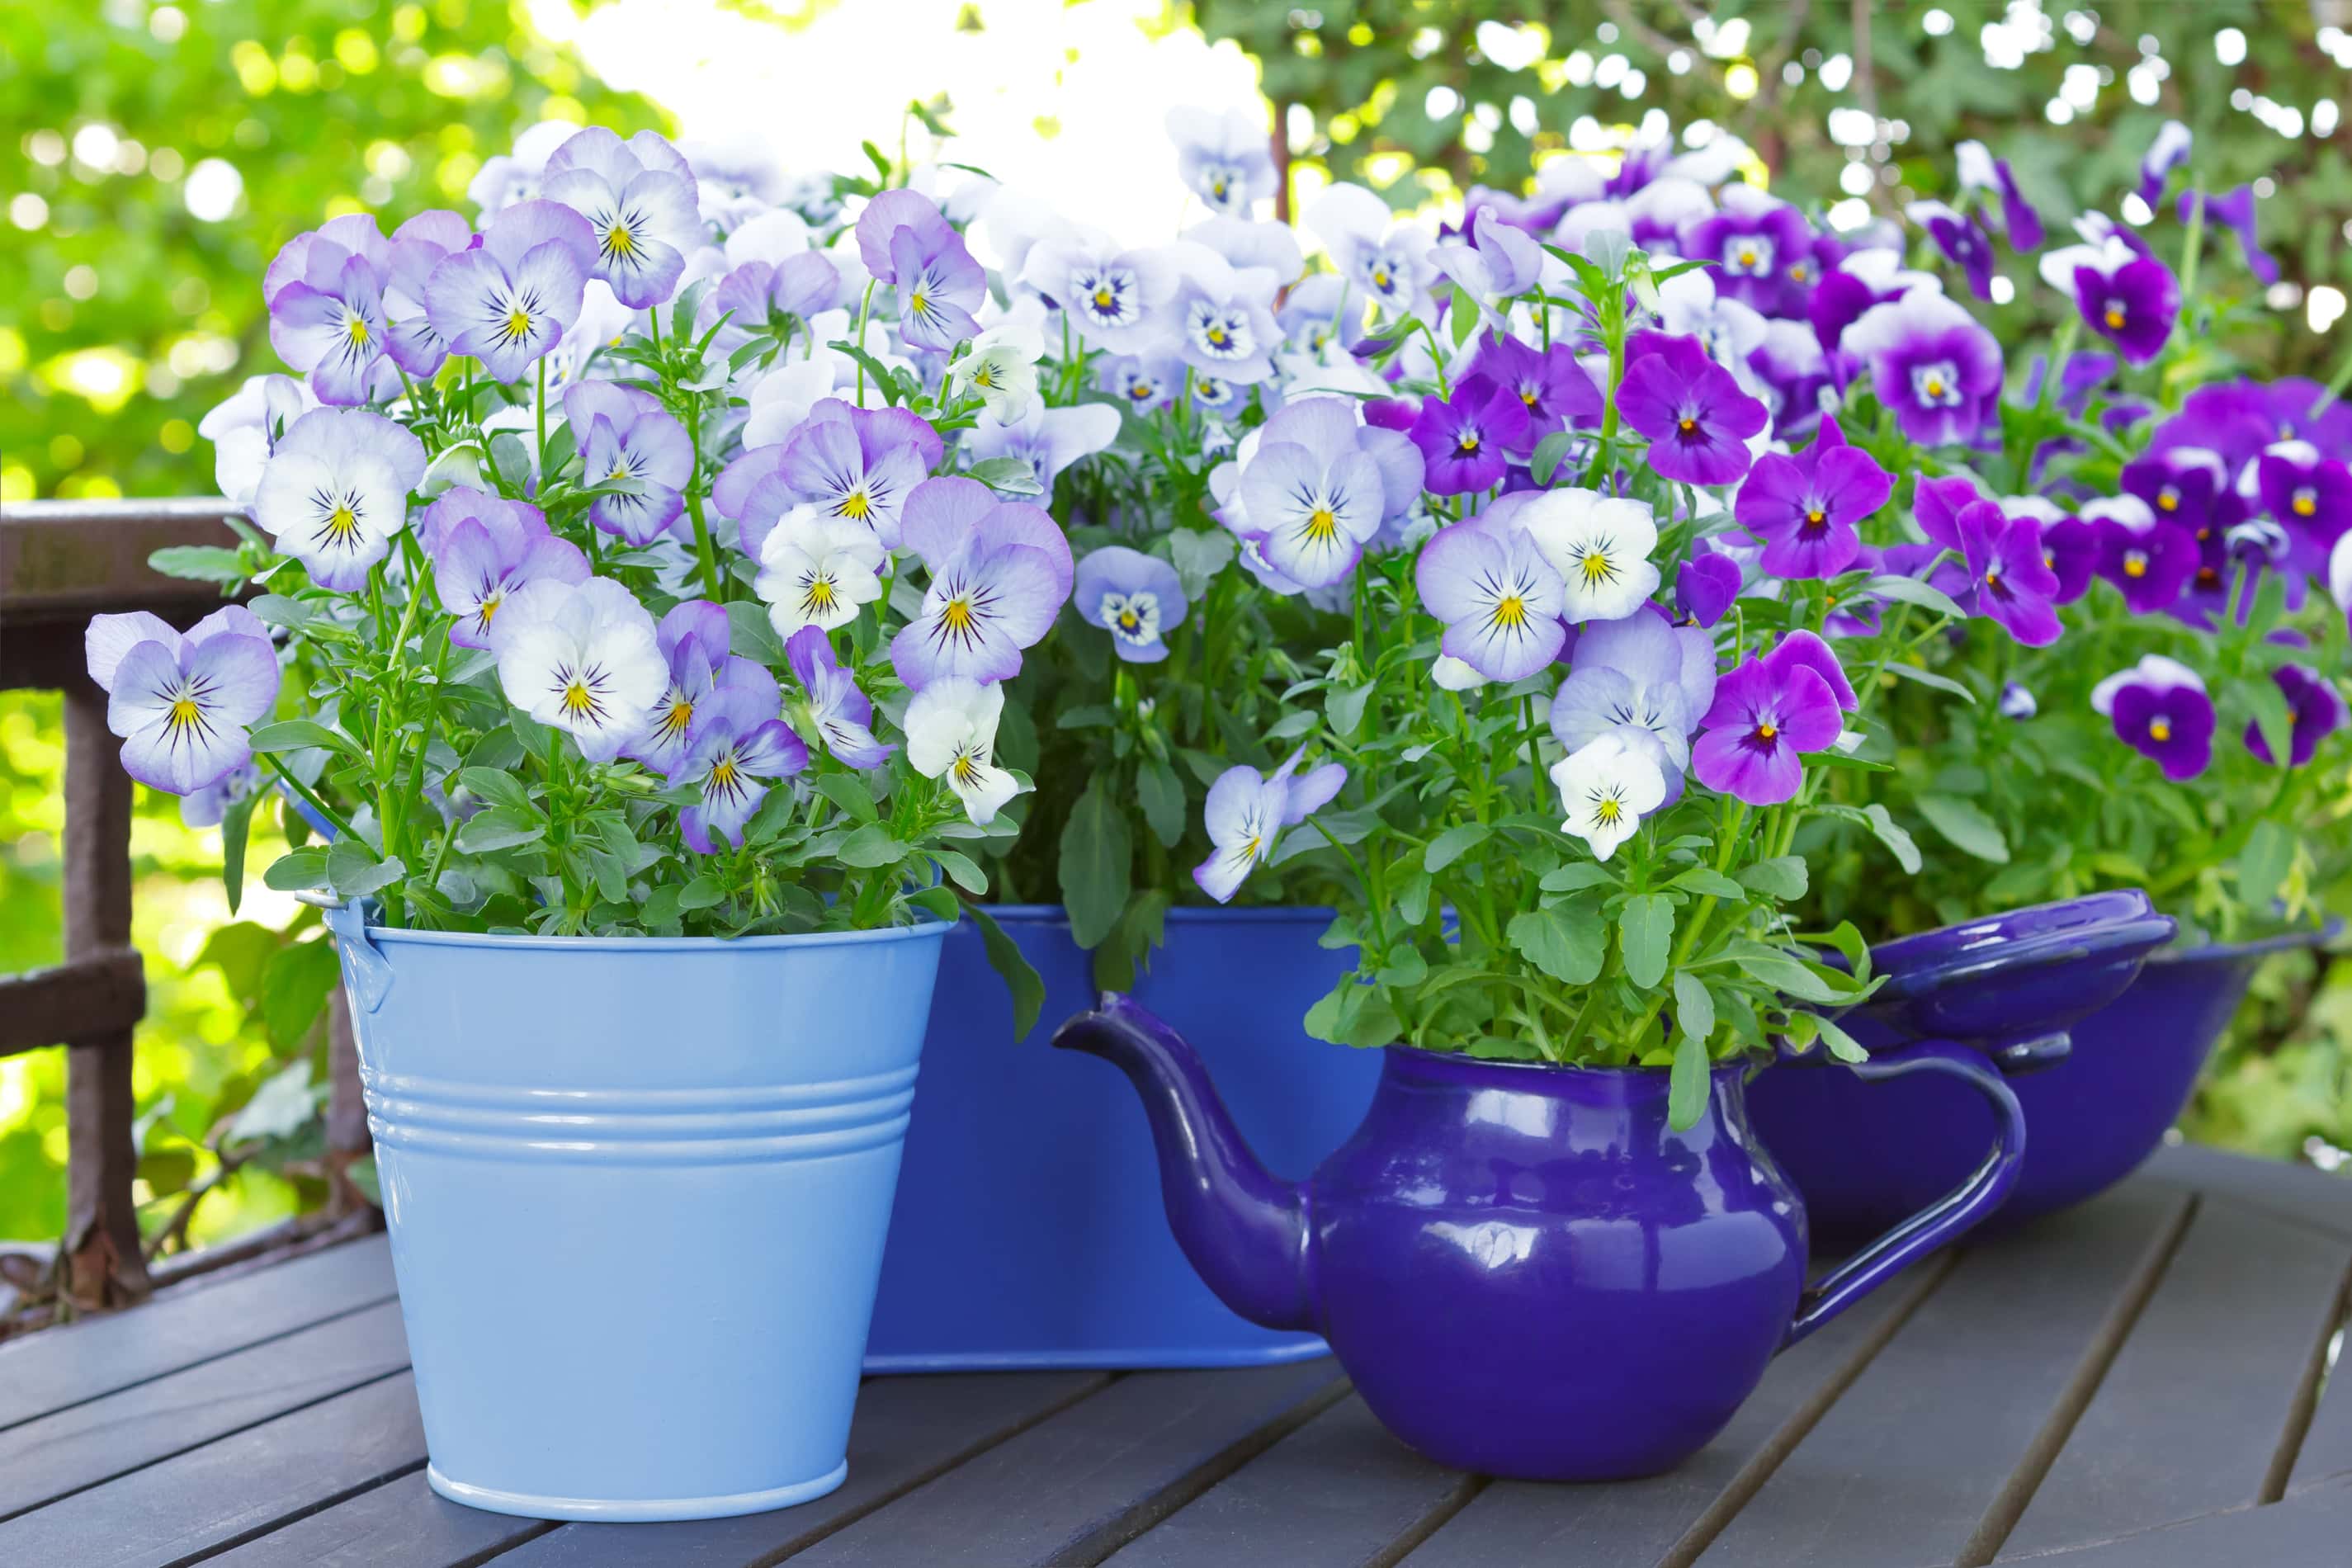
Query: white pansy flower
point(583, 658)
point(816, 569)
point(951, 733)
point(1000, 364)
point(1600, 546)
point(1606, 787)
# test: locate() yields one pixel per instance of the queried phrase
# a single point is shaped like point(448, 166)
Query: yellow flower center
point(818, 594)
point(1321, 526)
point(2306, 502)
point(619, 241)
point(1688, 425)
point(984, 377)
point(342, 523)
point(1607, 811)
point(358, 329)
point(854, 506)
point(680, 714)
point(1935, 386)
point(1216, 337)
point(1815, 517)
point(1511, 611)
point(1746, 256)
point(1379, 277)
point(1767, 730)
point(1105, 300)
point(2115, 318)
point(1798, 272)
point(956, 614)
point(2160, 729)
point(184, 714)
point(1468, 443)
point(2168, 500)
point(967, 769)
point(517, 322)
point(722, 773)
point(919, 302)
point(578, 701)
point(1595, 568)
point(2134, 563)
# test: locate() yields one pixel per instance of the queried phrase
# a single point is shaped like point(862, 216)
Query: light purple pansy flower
point(769, 297)
point(1379, 255)
point(1931, 362)
point(841, 714)
point(638, 197)
point(1766, 715)
point(1693, 410)
point(2150, 561)
point(737, 748)
point(1639, 672)
point(2124, 295)
point(1143, 382)
point(1047, 439)
point(183, 704)
point(511, 299)
point(1223, 316)
point(2159, 708)
point(1964, 244)
point(582, 657)
point(1501, 601)
point(1000, 571)
point(693, 640)
point(1246, 811)
point(418, 247)
point(907, 243)
point(1138, 598)
point(2317, 708)
point(1466, 440)
point(1501, 262)
point(1117, 298)
point(1316, 487)
point(1226, 159)
point(629, 442)
point(858, 463)
point(1805, 509)
point(485, 549)
point(325, 292)
point(336, 491)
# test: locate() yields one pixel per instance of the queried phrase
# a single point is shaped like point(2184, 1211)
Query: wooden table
point(2143, 1381)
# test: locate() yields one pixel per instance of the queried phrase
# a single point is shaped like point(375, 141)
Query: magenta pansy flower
point(1696, 417)
point(1805, 509)
point(2015, 585)
point(1766, 715)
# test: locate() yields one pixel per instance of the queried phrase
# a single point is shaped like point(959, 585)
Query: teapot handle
point(1947, 1216)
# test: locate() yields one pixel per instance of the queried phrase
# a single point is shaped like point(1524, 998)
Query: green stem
point(269, 759)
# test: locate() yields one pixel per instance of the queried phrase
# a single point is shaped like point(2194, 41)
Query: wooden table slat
point(2290, 1192)
point(2310, 1529)
point(1074, 1488)
point(1333, 1494)
point(1905, 1465)
point(101, 1438)
point(2214, 1359)
point(227, 1492)
point(908, 1430)
point(2326, 1448)
point(58, 1367)
point(400, 1524)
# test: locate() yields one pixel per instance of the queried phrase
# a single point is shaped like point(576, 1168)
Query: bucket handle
point(367, 973)
point(1947, 1216)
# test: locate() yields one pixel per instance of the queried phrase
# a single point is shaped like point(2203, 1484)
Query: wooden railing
point(62, 562)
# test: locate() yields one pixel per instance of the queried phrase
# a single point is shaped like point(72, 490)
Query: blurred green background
point(158, 155)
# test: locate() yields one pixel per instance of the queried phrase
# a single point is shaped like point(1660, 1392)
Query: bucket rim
point(405, 936)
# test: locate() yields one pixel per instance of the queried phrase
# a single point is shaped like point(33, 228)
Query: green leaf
point(302, 735)
point(281, 1107)
point(236, 821)
point(1842, 1046)
point(199, 562)
point(1911, 591)
point(1094, 862)
point(1461, 316)
point(1787, 975)
point(500, 828)
point(1782, 878)
point(1848, 942)
point(2272, 716)
point(297, 869)
point(1344, 706)
point(1200, 553)
point(1579, 875)
point(1929, 679)
point(750, 634)
point(1161, 794)
point(1566, 940)
point(1548, 455)
point(1965, 825)
point(294, 991)
point(2262, 865)
point(498, 788)
point(1693, 1007)
point(1004, 956)
point(1703, 880)
point(1452, 845)
point(1008, 475)
point(851, 793)
point(352, 869)
point(706, 891)
point(278, 610)
point(1890, 833)
point(1645, 931)
point(1353, 1014)
point(962, 869)
point(871, 846)
point(1686, 1089)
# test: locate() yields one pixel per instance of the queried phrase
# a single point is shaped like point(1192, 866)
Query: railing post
point(103, 1265)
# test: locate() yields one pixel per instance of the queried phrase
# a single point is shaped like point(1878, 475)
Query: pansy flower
point(1000, 571)
point(1502, 262)
point(2169, 150)
point(816, 569)
point(1316, 487)
point(1768, 713)
point(2186, 486)
point(1964, 244)
point(1752, 238)
point(184, 704)
point(1791, 374)
point(2235, 210)
point(1118, 299)
point(1223, 316)
point(1600, 547)
point(2310, 496)
point(1499, 598)
point(2317, 710)
point(2069, 546)
point(506, 178)
point(693, 640)
point(1805, 509)
point(1246, 812)
point(2013, 584)
point(1143, 382)
point(1001, 365)
point(485, 550)
point(325, 293)
point(768, 297)
point(842, 715)
point(582, 657)
point(245, 428)
point(909, 244)
point(638, 200)
point(737, 748)
point(1931, 362)
point(511, 299)
point(1138, 598)
point(2147, 559)
point(1639, 673)
point(1226, 159)
point(418, 247)
point(630, 445)
point(2159, 708)
point(1466, 439)
point(1980, 171)
point(336, 491)
point(858, 463)
point(1693, 410)
point(1607, 786)
point(1729, 329)
point(952, 733)
point(1377, 254)
point(1704, 586)
point(2124, 295)
point(1556, 391)
point(1047, 440)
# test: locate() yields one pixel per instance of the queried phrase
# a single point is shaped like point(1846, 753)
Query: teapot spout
point(1245, 1232)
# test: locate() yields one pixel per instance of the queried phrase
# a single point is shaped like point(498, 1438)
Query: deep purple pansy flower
point(2159, 708)
point(184, 704)
point(2310, 496)
point(1805, 509)
point(2236, 210)
point(1466, 439)
point(1753, 237)
point(2169, 150)
point(1964, 244)
point(2149, 561)
point(1556, 390)
point(2188, 487)
point(1931, 362)
point(2015, 585)
point(1980, 171)
point(2317, 708)
point(1766, 715)
point(2129, 298)
point(1705, 587)
point(1693, 410)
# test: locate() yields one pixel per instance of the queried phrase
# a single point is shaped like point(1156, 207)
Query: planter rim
point(1461, 1061)
point(2255, 947)
point(2133, 924)
point(405, 936)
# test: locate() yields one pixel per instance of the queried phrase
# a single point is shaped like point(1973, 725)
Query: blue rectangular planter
point(1029, 1230)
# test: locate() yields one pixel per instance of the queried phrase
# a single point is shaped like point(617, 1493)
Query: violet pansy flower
point(2148, 560)
point(184, 704)
point(769, 297)
point(2168, 151)
point(1143, 382)
point(1789, 372)
point(1704, 586)
point(1317, 486)
point(1556, 391)
point(1246, 811)
point(842, 715)
point(1046, 440)
point(1226, 159)
point(1768, 713)
point(638, 198)
point(737, 748)
point(2070, 548)
point(336, 491)
point(2159, 708)
point(1804, 509)
point(909, 244)
point(1466, 439)
point(2186, 486)
point(2316, 707)
point(1638, 672)
point(1697, 418)
point(2235, 210)
point(511, 299)
point(1118, 299)
point(1499, 598)
point(628, 442)
point(1500, 262)
point(2124, 295)
point(485, 550)
point(418, 247)
point(858, 463)
point(582, 657)
point(325, 293)
point(1980, 171)
point(2309, 495)
point(2013, 584)
point(1223, 316)
point(693, 640)
point(1000, 571)
point(1138, 598)
point(1931, 362)
point(1964, 244)
point(1755, 240)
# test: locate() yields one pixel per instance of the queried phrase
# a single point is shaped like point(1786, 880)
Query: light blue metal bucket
point(637, 1191)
